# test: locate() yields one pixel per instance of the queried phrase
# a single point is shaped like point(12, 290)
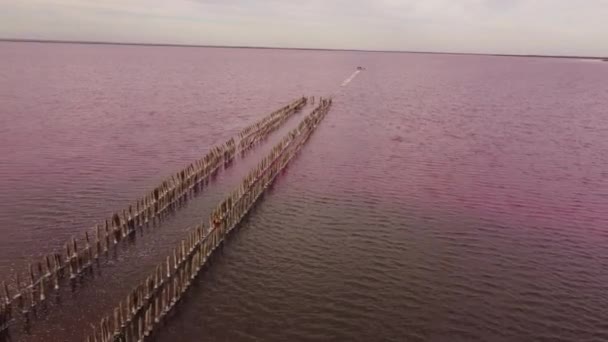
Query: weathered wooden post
point(7, 311)
point(89, 252)
point(124, 224)
point(7, 295)
point(42, 295)
point(76, 255)
point(69, 261)
point(58, 268)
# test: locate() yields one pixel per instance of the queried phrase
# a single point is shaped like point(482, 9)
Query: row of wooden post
point(251, 128)
point(136, 317)
point(261, 129)
point(229, 211)
point(45, 275)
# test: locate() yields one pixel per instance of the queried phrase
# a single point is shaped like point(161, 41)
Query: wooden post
point(124, 224)
point(130, 221)
point(116, 322)
point(115, 228)
point(57, 265)
point(144, 211)
point(7, 295)
point(168, 268)
point(138, 213)
point(107, 229)
point(75, 249)
point(103, 332)
point(175, 261)
point(141, 328)
point(129, 308)
point(89, 251)
point(95, 334)
point(157, 306)
point(42, 295)
point(97, 242)
point(69, 260)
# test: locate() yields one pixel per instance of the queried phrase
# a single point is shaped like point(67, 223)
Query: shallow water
point(444, 198)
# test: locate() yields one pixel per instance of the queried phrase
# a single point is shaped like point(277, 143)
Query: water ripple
point(444, 198)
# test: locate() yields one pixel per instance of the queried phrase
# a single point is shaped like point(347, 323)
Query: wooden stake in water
point(76, 255)
point(88, 248)
point(116, 322)
point(7, 295)
point(107, 229)
point(58, 266)
point(70, 262)
point(97, 242)
point(42, 295)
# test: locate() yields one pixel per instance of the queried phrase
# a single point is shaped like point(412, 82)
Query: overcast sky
point(574, 27)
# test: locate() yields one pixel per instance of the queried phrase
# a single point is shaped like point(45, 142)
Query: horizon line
point(58, 41)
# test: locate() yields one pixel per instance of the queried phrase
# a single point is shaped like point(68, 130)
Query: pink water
point(444, 198)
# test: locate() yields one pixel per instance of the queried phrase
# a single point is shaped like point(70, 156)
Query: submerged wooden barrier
point(137, 316)
point(80, 256)
point(258, 131)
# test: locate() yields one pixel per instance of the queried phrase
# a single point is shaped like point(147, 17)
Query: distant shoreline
point(14, 40)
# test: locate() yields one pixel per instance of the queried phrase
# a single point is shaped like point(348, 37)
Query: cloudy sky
point(574, 27)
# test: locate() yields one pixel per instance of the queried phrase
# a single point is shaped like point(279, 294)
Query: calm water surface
point(444, 198)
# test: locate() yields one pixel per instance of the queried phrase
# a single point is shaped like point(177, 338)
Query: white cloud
point(503, 26)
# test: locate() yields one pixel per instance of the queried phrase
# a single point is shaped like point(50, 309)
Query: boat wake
point(348, 80)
